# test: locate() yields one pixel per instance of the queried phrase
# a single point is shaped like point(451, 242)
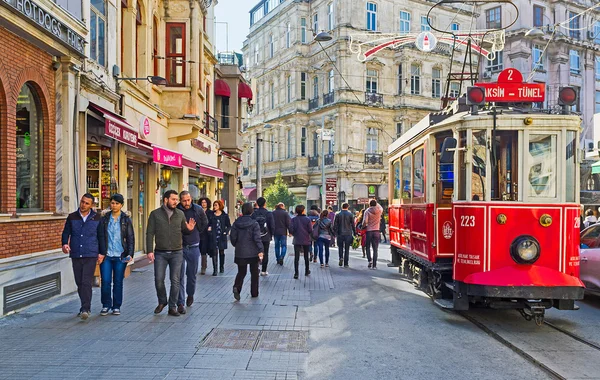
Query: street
point(338, 324)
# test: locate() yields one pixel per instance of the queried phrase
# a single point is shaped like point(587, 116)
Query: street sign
point(325, 134)
point(331, 184)
point(511, 89)
point(363, 201)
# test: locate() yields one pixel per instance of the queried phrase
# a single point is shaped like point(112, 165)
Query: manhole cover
point(286, 341)
point(232, 339)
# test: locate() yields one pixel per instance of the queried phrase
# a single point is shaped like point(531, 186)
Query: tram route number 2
point(467, 221)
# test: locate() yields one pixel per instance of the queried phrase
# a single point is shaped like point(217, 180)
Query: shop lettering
point(120, 134)
point(200, 145)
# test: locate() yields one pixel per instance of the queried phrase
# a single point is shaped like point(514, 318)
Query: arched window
point(98, 31)
point(29, 150)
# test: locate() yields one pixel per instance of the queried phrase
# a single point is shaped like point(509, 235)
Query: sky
point(236, 14)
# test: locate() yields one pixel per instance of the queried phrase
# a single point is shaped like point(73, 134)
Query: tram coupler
point(534, 311)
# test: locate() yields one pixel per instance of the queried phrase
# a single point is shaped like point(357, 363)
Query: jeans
point(372, 240)
point(173, 260)
point(265, 260)
point(323, 243)
point(112, 272)
point(239, 279)
point(297, 249)
point(189, 268)
point(280, 246)
point(344, 242)
point(83, 271)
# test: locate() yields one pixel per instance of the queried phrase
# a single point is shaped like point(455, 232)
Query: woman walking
point(118, 247)
point(325, 237)
point(301, 227)
point(361, 231)
point(218, 228)
point(205, 236)
point(245, 237)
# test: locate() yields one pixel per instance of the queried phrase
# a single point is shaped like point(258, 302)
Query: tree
point(278, 192)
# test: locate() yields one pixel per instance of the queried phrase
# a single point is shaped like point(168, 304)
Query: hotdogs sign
point(34, 13)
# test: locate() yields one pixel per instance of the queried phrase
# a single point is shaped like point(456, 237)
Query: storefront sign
point(114, 129)
point(144, 127)
point(372, 191)
point(34, 13)
point(166, 157)
point(200, 145)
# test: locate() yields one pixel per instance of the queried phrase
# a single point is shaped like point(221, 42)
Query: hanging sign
point(167, 157)
point(117, 130)
point(510, 89)
point(144, 127)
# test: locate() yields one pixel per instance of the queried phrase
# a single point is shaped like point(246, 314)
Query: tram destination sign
point(510, 89)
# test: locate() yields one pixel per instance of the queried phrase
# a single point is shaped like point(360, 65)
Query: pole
point(258, 166)
point(323, 205)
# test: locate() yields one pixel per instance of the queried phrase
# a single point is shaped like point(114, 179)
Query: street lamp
point(323, 36)
point(325, 136)
point(156, 80)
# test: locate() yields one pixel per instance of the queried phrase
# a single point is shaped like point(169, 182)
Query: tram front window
point(479, 166)
point(503, 159)
point(542, 163)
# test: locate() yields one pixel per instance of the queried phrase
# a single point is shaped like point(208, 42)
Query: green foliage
point(240, 197)
point(278, 192)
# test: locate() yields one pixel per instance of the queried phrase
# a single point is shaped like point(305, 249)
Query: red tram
point(485, 204)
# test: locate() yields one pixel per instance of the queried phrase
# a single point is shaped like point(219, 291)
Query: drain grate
point(232, 339)
point(285, 341)
point(282, 341)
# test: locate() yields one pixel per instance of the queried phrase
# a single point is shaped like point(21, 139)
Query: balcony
point(374, 159)
point(373, 98)
point(313, 103)
point(313, 162)
point(328, 98)
point(229, 58)
point(211, 127)
point(329, 159)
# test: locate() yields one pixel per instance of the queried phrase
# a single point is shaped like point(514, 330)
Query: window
point(372, 141)
point(404, 22)
point(302, 86)
point(454, 90)
point(538, 16)
point(419, 175)
point(272, 94)
point(139, 30)
point(397, 180)
point(597, 32)
point(98, 31)
point(331, 84)
point(597, 102)
point(303, 30)
point(155, 45)
point(330, 20)
point(400, 80)
point(372, 17)
point(371, 81)
point(288, 35)
point(225, 112)
point(272, 152)
point(536, 55)
point(315, 87)
point(571, 165)
point(574, 25)
point(289, 143)
point(315, 144)
point(271, 46)
point(29, 145)
point(257, 15)
point(493, 18)
point(73, 7)
point(478, 181)
point(455, 27)
point(258, 94)
point(398, 129)
point(436, 83)
point(574, 62)
point(541, 166)
point(407, 177)
point(425, 24)
point(597, 67)
point(256, 49)
point(316, 23)
point(496, 64)
point(175, 54)
point(289, 89)
point(272, 4)
point(415, 80)
point(303, 142)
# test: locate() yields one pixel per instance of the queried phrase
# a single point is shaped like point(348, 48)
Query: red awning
point(249, 193)
point(222, 88)
point(211, 171)
point(244, 91)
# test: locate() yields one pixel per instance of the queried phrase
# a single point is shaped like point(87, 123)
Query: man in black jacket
point(265, 222)
point(191, 250)
point(281, 220)
point(343, 227)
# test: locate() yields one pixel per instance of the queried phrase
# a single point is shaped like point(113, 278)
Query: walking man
point(282, 221)
point(166, 226)
point(265, 221)
point(343, 227)
point(371, 221)
point(191, 250)
point(81, 239)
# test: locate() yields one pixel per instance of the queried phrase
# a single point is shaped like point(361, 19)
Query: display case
point(98, 179)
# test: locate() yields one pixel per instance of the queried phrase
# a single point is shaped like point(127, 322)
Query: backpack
point(262, 223)
point(315, 231)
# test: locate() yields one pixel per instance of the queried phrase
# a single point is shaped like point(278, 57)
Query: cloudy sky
point(236, 14)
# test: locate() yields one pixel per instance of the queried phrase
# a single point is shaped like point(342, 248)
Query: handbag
point(356, 241)
point(315, 232)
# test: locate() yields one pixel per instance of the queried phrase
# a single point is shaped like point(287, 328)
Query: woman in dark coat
point(245, 237)
point(218, 228)
point(205, 235)
point(300, 228)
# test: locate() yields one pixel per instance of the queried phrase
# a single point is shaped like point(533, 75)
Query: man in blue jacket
point(81, 239)
point(264, 218)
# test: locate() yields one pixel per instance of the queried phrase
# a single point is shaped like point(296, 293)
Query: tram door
point(445, 229)
point(504, 166)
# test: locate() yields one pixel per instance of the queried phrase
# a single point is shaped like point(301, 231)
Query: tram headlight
point(525, 250)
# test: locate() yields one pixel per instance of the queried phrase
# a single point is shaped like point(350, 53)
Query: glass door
point(136, 201)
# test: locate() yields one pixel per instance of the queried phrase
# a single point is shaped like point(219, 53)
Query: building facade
point(301, 85)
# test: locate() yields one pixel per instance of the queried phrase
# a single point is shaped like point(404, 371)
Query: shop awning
point(596, 167)
point(313, 193)
point(249, 193)
point(117, 127)
point(360, 191)
point(222, 88)
point(210, 171)
point(244, 91)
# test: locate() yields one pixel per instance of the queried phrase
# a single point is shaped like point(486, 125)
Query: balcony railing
point(313, 103)
point(228, 58)
point(329, 159)
point(373, 98)
point(211, 127)
point(373, 158)
point(313, 162)
point(328, 98)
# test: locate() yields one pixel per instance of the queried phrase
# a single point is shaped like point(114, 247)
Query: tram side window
point(541, 173)
point(406, 177)
point(478, 176)
point(397, 181)
point(418, 176)
point(462, 178)
point(570, 166)
point(504, 166)
point(445, 172)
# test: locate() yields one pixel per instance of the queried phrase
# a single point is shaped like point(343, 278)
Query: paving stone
point(283, 341)
point(232, 339)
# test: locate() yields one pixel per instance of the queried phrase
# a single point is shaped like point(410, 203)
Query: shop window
point(175, 54)
point(29, 134)
point(98, 31)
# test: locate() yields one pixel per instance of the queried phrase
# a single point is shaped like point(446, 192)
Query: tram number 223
point(467, 221)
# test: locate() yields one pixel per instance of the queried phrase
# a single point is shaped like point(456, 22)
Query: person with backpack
point(264, 218)
point(313, 216)
point(301, 229)
point(245, 237)
point(371, 221)
point(324, 235)
point(343, 227)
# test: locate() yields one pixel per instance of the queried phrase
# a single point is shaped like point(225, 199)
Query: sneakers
point(370, 264)
point(341, 262)
point(116, 312)
point(264, 274)
point(84, 315)
point(104, 311)
point(322, 265)
point(326, 265)
point(236, 293)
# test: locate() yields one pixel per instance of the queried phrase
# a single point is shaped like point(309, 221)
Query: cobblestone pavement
point(337, 323)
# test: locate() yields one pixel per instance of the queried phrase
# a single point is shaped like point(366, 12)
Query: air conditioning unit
point(487, 75)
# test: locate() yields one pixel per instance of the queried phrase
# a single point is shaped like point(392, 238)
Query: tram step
point(444, 303)
point(449, 285)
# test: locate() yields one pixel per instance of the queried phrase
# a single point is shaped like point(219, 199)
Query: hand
point(150, 256)
point(191, 224)
point(66, 248)
point(260, 256)
point(100, 259)
point(209, 229)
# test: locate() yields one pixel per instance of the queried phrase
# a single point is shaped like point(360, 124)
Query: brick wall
point(20, 238)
